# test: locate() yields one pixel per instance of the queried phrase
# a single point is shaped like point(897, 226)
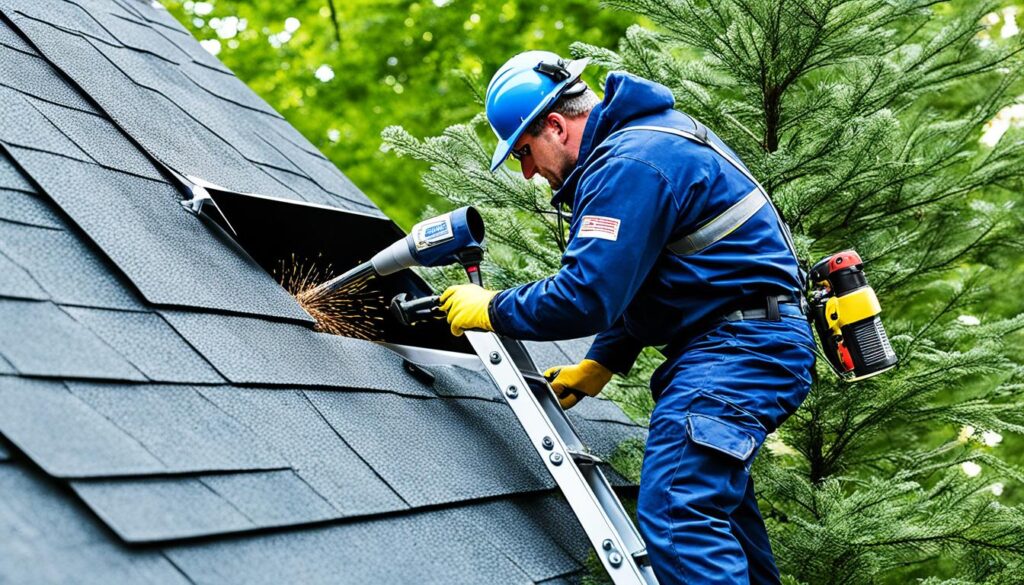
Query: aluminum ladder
point(611, 531)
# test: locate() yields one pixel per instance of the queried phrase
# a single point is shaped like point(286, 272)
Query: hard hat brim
point(504, 147)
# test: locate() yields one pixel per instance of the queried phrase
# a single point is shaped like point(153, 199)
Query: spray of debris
point(354, 311)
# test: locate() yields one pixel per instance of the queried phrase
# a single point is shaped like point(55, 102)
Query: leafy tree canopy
point(340, 72)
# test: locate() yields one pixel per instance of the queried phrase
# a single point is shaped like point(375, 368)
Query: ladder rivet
point(615, 559)
point(547, 443)
point(511, 391)
point(495, 357)
point(607, 544)
point(556, 458)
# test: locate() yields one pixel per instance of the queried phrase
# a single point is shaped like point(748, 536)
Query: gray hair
point(570, 106)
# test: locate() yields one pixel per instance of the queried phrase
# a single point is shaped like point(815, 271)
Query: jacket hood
point(626, 98)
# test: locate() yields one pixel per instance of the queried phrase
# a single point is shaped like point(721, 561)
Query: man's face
point(550, 155)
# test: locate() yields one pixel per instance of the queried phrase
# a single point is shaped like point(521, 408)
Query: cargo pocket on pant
point(724, 427)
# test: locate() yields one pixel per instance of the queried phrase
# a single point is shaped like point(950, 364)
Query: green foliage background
point(396, 63)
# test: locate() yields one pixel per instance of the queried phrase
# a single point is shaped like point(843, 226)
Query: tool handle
point(417, 310)
point(410, 312)
point(579, 395)
point(473, 272)
point(470, 259)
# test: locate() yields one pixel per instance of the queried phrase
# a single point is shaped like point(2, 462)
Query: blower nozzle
point(454, 237)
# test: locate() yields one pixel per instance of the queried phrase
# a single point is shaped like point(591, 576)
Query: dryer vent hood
point(281, 233)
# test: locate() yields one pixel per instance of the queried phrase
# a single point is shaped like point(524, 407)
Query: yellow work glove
point(572, 383)
point(466, 306)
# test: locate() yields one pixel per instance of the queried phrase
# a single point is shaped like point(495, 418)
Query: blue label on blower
point(436, 230)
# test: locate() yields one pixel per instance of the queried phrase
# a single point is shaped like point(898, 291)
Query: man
point(671, 243)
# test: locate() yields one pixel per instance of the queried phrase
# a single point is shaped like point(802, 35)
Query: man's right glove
point(466, 306)
point(572, 383)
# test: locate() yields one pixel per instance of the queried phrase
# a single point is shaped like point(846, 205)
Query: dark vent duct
point(279, 232)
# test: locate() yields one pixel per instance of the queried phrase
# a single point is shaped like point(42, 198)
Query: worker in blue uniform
point(671, 244)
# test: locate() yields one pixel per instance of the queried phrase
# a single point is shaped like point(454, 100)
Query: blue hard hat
point(522, 89)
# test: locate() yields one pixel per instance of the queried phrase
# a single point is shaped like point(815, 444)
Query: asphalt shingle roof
point(167, 412)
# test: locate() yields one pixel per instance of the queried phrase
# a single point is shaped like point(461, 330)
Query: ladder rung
point(584, 458)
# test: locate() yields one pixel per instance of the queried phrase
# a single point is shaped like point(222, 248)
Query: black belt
point(771, 308)
point(783, 305)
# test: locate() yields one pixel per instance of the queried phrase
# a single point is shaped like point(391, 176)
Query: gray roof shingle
point(137, 221)
point(50, 539)
point(181, 428)
point(149, 344)
point(32, 129)
point(69, 269)
point(452, 463)
point(440, 547)
point(30, 75)
point(11, 177)
point(297, 430)
point(29, 209)
point(167, 412)
point(6, 368)
point(40, 339)
point(89, 444)
point(253, 351)
point(16, 282)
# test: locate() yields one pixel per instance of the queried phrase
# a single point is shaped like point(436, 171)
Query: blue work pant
point(716, 401)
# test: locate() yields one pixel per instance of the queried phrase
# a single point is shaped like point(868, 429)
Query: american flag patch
point(596, 226)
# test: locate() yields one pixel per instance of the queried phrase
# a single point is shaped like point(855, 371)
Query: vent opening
point(296, 241)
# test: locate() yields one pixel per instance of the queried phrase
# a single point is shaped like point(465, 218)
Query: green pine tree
point(863, 119)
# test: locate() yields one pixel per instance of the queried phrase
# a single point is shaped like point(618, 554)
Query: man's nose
point(529, 169)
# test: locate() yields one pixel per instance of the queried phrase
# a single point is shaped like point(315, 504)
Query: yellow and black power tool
point(844, 311)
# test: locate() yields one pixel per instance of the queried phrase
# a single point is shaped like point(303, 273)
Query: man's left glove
point(466, 306)
point(572, 383)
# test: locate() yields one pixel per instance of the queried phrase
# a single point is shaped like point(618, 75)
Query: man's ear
point(559, 126)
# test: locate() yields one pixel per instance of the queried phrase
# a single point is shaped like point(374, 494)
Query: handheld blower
point(844, 312)
point(454, 237)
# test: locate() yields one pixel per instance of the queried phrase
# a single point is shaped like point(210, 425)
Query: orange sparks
point(354, 311)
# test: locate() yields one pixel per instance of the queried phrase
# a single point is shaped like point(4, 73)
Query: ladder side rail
point(524, 362)
point(609, 538)
point(610, 502)
point(553, 410)
point(595, 477)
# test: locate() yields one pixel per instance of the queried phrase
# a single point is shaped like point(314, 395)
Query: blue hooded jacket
point(631, 195)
